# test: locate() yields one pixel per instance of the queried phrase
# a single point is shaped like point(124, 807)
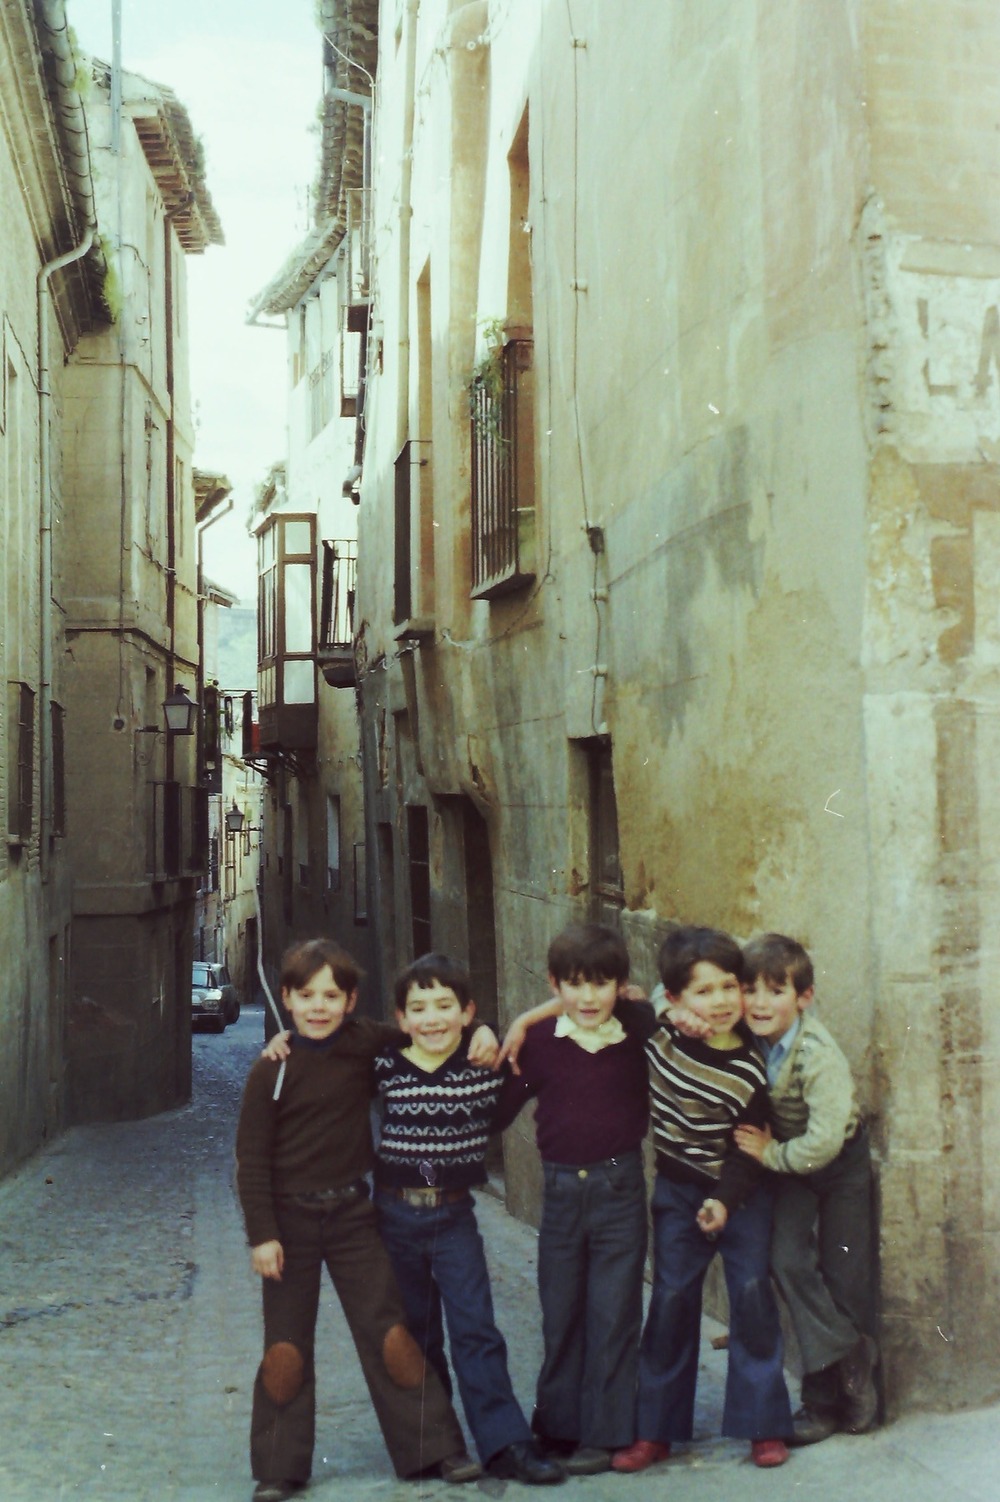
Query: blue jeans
point(438, 1258)
point(756, 1402)
point(591, 1252)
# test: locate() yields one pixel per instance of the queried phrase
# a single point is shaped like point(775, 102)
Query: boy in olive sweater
point(823, 1245)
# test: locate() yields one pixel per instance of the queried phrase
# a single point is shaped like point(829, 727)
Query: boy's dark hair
point(779, 959)
point(588, 951)
point(685, 947)
point(430, 969)
point(301, 961)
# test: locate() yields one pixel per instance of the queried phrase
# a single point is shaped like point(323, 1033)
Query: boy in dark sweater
point(303, 1145)
point(589, 1080)
point(437, 1113)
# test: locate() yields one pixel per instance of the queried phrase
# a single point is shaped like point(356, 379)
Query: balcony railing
point(337, 598)
point(503, 469)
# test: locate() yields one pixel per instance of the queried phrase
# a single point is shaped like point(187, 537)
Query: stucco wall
point(767, 357)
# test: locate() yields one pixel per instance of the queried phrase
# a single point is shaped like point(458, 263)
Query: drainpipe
point(45, 275)
point(405, 218)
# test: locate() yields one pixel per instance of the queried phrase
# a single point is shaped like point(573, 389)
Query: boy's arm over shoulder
point(819, 1072)
point(520, 1084)
point(377, 1036)
point(637, 1017)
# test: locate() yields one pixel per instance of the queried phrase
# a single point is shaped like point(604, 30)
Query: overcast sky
point(249, 74)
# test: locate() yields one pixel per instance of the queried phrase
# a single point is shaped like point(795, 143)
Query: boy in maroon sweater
point(589, 1079)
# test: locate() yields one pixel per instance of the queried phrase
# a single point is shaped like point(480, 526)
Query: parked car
point(214, 1001)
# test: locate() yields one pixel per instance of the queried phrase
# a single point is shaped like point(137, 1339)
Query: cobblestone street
point(129, 1338)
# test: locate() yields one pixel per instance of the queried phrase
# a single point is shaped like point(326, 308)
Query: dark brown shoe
point(810, 1427)
point(857, 1383)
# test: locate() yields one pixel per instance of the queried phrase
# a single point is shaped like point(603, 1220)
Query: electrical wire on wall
point(595, 533)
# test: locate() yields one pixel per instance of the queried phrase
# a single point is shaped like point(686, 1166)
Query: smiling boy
point(823, 1248)
point(588, 1077)
point(707, 1198)
point(303, 1145)
point(438, 1110)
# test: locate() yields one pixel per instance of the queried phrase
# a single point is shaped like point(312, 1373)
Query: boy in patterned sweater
point(823, 1247)
point(437, 1113)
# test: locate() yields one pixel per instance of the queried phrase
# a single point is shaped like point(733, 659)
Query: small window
point(418, 830)
point(21, 754)
point(606, 882)
point(58, 720)
point(332, 843)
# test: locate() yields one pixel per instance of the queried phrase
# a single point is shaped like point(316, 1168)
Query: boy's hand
point(752, 1140)
point(687, 1022)
point(630, 991)
point(484, 1049)
point(512, 1044)
point(268, 1260)
point(278, 1049)
point(712, 1217)
point(518, 1031)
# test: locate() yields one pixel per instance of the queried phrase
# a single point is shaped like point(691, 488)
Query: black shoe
point(523, 1462)
point(587, 1460)
point(810, 1426)
point(276, 1491)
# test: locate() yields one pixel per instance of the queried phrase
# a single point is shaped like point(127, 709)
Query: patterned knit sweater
point(698, 1095)
point(435, 1125)
point(813, 1105)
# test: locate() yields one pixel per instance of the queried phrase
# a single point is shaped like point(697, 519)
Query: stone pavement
point(130, 1333)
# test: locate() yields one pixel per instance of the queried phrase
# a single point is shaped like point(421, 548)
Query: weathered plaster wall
point(767, 356)
point(35, 908)
point(932, 281)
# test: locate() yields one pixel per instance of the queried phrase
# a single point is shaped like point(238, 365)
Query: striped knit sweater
point(698, 1095)
point(435, 1127)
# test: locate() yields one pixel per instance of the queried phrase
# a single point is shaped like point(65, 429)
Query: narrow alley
point(129, 1335)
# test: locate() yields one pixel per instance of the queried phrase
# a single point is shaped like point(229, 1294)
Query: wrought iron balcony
point(503, 475)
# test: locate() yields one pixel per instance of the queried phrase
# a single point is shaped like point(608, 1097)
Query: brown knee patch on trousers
point(282, 1371)
point(403, 1358)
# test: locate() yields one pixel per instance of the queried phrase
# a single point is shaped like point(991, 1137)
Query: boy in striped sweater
point(708, 1198)
point(823, 1246)
point(437, 1113)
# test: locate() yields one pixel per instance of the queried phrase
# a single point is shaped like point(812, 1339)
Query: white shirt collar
point(592, 1039)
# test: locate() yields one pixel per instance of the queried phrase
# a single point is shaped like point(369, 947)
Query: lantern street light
point(179, 712)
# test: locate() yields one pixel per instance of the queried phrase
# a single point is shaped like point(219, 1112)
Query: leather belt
point(425, 1199)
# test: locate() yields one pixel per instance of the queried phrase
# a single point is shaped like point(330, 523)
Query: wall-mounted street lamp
point(236, 824)
point(180, 712)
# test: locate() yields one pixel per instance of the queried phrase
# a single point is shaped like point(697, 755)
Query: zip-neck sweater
point(317, 1134)
point(435, 1123)
point(591, 1106)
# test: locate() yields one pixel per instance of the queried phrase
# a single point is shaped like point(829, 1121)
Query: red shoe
point(768, 1452)
point(645, 1452)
